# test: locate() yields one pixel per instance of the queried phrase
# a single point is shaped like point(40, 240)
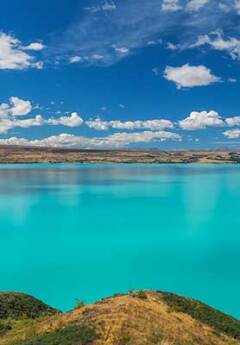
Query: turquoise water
point(76, 231)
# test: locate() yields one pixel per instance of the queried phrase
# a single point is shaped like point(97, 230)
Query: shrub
point(79, 304)
point(124, 340)
point(140, 294)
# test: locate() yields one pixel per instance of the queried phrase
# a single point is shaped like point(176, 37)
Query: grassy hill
point(137, 318)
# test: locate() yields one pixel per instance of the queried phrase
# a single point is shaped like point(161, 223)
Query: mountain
point(136, 318)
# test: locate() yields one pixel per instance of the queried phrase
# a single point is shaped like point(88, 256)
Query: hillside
point(137, 318)
point(18, 154)
point(15, 305)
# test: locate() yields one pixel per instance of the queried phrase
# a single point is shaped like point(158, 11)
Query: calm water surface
point(76, 231)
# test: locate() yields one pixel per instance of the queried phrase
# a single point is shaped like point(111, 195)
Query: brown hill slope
point(140, 318)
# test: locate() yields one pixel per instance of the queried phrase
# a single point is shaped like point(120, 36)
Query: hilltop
point(136, 318)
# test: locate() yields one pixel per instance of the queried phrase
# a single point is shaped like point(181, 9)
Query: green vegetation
point(140, 294)
point(18, 306)
point(219, 321)
point(155, 338)
point(69, 335)
point(79, 304)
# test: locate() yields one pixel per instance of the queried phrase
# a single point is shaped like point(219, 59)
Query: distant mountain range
point(18, 154)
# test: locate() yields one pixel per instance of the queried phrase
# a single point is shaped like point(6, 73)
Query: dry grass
point(127, 320)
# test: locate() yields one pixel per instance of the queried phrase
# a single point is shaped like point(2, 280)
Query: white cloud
point(116, 140)
point(96, 57)
point(190, 76)
point(16, 107)
point(98, 124)
point(13, 56)
point(195, 5)
point(20, 107)
point(171, 5)
point(37, 46)
point(147, 124)
point(124, 139)
point(154, 125)
point(200, 120)
point(4, 110)
point(10, 112)
point(75, 59)
point(216, 41)
point(232, 134)
point(74, 120)
point(233, 121)
point(9, 123)
point(123, 50)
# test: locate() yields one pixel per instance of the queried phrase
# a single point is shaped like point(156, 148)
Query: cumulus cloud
point(190, 76)
point(19, 106)
point(13, 55)
point(116, 140)
point(98, 124)
point(203, 119)
point(157, 124)
point(200, 120)
point(232, 134)
point(16, 107)
point(74, 120)
point(9, 123)
point(233, 121)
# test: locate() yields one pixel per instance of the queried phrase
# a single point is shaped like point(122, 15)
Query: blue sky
point(116, 74)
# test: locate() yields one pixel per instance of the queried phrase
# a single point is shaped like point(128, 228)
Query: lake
point(82, 232)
